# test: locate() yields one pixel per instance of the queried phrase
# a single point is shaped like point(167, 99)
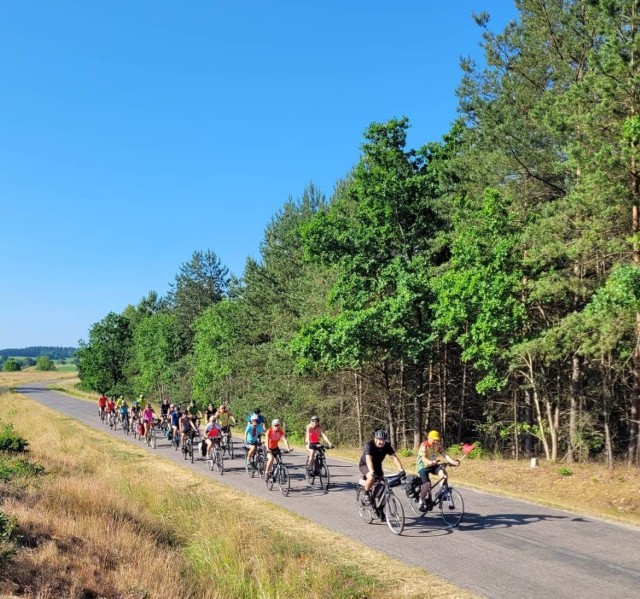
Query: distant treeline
point(486, 285)
point(54, 353)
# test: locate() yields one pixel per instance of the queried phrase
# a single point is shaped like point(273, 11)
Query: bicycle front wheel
point(219, 462)
point(283, 481)
point(260, 464)
point(394, 514)
point(365, 511)
point(153, 440)
point(452, 507)
point(323, 476)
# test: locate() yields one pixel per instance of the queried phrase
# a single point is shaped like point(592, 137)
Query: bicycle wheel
point(323, 476)
point(219, 462)
point(309, 475)
point(185, 448)
point(365, 511)
point(451, 507)
point(394, 514)
point(125, 427)
point(283, 480)
point(260, 464)
point(153, 440)
point(191, 450)
point(230, 447)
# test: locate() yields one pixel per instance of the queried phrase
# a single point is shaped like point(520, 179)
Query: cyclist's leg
point(267, 469)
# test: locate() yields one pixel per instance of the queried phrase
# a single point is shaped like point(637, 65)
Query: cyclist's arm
point(396, 459)
point(286, 442)
point(451, 460)
point(326, 439)
point(369, 462)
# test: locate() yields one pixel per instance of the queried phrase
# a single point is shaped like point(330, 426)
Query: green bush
point(405, 452)
point(563, 471)
point(12, 365)
point(10, 440)
point(20, 468)
point(7, 546)
point(461, 449)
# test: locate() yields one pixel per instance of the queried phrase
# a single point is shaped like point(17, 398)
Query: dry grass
point(10, 380)
point(111, 520)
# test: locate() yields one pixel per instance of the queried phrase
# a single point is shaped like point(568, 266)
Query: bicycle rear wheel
point(394, 514)
point(451, 507)
point(284, 482)
point(153, 440)
point(260, 464)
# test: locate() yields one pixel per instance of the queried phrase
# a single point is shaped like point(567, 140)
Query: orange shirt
point(273, 437)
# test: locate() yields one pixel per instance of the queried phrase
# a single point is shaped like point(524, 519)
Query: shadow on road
point(477, 522)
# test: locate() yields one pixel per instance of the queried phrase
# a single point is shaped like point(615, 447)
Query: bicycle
point(125, 425)
point(215, 458)
point(135, 422)
point(445, 497)
point(188, 445)
point(150, 436)
point(111, 418)
point(102, 413)
point(175, 440)
point(279, 473)
point(226, 443)
point(383, 505)
point(257, 462)
point(320, 469)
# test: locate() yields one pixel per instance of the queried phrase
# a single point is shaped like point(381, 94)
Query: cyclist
point(312, 440)
point(164, 408)
point(187, 427)
point(225, 418)
point(174, 420)
point(111, 408)
point(261, 419)
point(148, 415)
point(375, 451)
point(102, 403)
point(124, 412)
point(252, 435)
point(274, 435)
point(212, 434)
point(210, 411)
point(427, 463)
point(136, 415)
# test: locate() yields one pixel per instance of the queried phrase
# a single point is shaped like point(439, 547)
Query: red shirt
point(102, 401)
point(111, 406)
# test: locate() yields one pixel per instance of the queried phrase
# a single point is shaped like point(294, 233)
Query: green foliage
point(10, 440)
point(478, 452)
point(563, 471)
point(11, 365)
point(7, 546)
point(45, 363)
point(18, 468)
point(102, 361)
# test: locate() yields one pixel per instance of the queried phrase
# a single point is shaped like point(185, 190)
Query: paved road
point(503, 548)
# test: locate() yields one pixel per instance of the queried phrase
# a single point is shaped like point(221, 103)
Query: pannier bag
point(412, 487)
point(141, 430)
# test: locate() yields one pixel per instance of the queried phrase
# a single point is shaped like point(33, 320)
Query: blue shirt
point(249, 432)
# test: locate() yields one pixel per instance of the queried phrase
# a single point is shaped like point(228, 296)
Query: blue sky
point(135, 132)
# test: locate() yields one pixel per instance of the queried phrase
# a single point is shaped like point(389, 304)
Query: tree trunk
point(417, 411)
point(358, 394)
point(573, 408)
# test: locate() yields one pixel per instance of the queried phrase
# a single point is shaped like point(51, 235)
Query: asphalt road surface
point(503, 549)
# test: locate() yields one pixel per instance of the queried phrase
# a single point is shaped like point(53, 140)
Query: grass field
point(111, 520)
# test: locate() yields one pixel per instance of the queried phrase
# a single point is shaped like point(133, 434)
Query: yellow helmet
point(433, 436)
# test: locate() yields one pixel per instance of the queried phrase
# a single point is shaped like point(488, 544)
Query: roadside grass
point(111, 520)
point(589, 488)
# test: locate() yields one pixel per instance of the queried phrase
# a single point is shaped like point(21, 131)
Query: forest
point(486, 284)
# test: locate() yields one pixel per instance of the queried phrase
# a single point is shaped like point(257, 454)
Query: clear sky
point(135, 132)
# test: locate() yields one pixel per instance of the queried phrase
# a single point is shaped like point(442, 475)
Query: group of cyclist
point(183, 424)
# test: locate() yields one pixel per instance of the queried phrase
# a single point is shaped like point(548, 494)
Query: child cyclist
point(252, 435)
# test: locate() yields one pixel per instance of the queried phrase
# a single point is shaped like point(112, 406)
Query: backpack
point(412, 487)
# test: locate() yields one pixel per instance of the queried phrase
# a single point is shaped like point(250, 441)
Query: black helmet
point(381, 434)
point(256, 410)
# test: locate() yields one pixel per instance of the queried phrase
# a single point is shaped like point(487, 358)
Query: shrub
point(405, 452)
point(472, 451)
point(10, 440)
point(563, 471)
point(12, 365)
point(7, 546)
point(10, 469)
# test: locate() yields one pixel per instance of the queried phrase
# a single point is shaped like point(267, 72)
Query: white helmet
point(274, 422)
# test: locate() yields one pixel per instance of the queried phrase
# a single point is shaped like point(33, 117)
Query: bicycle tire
point(284, 482)
point(191, 445)
point(230, 448)
point(185, 448)
point(219, 462)
point(260, 464)
point(323, 476)
point(451, 507)
point(125, 428)
point(394, 514)
point(153, 440)
point(364, 511)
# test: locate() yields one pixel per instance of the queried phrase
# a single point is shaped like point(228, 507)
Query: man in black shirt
point(375, 451)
